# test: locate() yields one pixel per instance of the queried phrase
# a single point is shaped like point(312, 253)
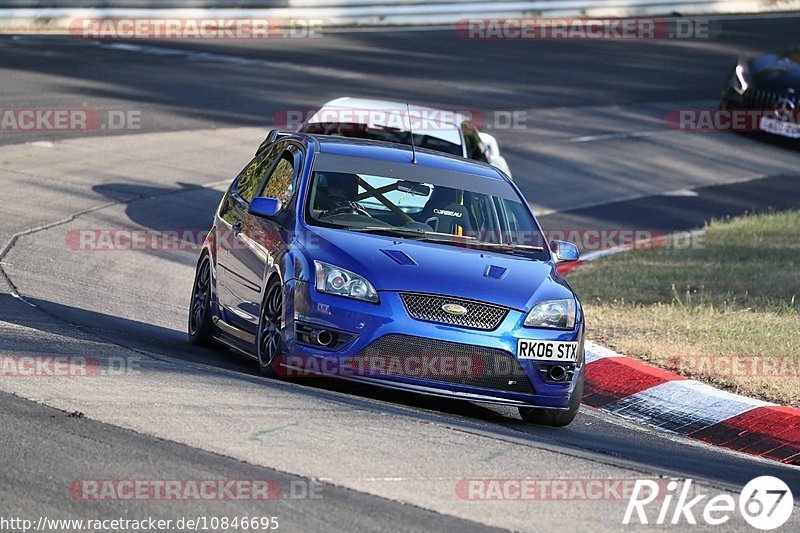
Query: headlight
point(557, 314)
point(741, 80)
point(334, 280)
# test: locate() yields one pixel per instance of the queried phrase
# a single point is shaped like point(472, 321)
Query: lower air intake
point(442, 362)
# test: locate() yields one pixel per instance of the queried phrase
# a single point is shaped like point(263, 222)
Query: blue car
point(399, 267)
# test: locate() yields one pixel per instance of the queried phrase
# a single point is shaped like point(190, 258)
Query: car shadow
point(189, 204)
point(590, 434)
point(160, 341)
point(184, 209)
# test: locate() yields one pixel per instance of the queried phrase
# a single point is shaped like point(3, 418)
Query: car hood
point(395, 264)
point(778, 72)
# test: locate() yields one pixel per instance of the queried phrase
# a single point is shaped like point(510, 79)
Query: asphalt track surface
point(595, 152)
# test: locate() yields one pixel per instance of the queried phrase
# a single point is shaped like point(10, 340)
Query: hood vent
point(496, 272)
point(399, 257)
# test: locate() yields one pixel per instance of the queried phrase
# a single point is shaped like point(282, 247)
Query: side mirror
point(564, 251)
point(264, 207)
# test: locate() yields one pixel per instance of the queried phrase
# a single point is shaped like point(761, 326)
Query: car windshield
point(422, 203)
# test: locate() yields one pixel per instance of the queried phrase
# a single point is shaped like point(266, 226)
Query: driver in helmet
point(334, 189)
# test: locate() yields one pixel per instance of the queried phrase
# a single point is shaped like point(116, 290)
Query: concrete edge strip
point(644, 393)
point(667, 401)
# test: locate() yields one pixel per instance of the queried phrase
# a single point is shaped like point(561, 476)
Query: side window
point(281, 182)
point(251, 177)
point(475, 148)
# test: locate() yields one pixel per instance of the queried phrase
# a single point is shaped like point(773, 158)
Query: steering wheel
point(352, 208)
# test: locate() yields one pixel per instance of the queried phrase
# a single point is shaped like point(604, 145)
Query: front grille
point(429, 307)
point(763, 100)
point(443, 362)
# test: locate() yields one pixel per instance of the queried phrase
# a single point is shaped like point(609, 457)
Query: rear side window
point(252, 176)
point(281, 182)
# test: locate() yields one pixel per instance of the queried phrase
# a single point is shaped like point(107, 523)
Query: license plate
point(547, 350)
point(780, 127)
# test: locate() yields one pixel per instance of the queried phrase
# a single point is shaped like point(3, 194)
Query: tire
point(553, 417)
point(270, 323)
point(201, 327)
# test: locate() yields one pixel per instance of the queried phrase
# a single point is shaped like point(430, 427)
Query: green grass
point(734, 294)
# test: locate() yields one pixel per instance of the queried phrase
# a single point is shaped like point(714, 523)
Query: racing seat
point(449, 218)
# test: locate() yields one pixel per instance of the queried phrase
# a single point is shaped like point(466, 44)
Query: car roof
point(450, 117)
point(400, 153)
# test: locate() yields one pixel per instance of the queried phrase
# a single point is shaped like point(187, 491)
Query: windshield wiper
point(509, 247)
point(449, 237)
point(414, 232)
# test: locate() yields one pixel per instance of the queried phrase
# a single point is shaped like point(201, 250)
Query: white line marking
point(41, 144)
point(743, 179)
point(621, 135)
point(680, 192)
point(191, 55)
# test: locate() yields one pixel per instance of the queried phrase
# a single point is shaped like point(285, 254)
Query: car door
point(261, 240)
point(230, 223)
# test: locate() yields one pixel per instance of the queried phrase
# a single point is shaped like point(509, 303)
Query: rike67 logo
point(765, 503)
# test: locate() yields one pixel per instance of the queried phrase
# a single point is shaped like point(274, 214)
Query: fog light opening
point(323, 337)
point(557, 373)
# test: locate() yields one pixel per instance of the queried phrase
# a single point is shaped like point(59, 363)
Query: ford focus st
point(408, 269)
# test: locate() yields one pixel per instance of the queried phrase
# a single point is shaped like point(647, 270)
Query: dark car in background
point(769, 84)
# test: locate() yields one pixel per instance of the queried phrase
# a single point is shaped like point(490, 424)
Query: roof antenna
point(411, 134)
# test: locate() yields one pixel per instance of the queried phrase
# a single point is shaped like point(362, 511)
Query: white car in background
point(452, 132)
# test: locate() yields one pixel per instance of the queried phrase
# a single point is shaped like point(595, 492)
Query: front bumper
point(757, 105)
point(372, 328)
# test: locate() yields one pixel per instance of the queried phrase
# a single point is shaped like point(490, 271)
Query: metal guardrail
point(56, 13)
point(150, 4)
